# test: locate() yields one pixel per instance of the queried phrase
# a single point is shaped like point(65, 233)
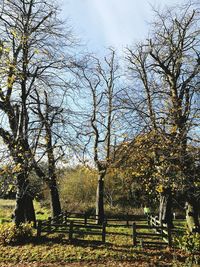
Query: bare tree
point(100, 81)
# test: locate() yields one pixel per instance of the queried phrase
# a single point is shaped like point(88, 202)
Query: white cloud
point(117, 23)
point(121, 20)
point(108, 21)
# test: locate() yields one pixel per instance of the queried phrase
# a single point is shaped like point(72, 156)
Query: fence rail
point(120, 220)
point(82, 224)
point(161, 233)
point(71, 228)
point(72, 223)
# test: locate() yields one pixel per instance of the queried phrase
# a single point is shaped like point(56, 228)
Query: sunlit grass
point(89, 251)
point(7, 207)
point(84, 248)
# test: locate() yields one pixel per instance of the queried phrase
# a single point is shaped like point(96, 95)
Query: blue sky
point(117, 23)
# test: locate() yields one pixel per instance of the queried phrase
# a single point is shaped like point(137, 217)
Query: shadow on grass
point(148, 250)
point(129, 252)
point(75, 242)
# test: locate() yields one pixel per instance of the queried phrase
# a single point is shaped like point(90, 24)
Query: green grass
point(88, 251)
point(57, 250)
point(7, 207)
point(42, 213)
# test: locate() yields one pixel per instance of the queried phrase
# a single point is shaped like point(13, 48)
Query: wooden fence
point(120, 220)
point(71, 228)
point(161, 234)
point(147, 230)
point(124, 220)
point(74, 224)
point(161, 228)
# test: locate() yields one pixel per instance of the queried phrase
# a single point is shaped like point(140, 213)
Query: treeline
point(133, 121)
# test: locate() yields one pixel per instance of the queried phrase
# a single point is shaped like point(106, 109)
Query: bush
point(10, 234)
point(190, 242)
point(78, 189)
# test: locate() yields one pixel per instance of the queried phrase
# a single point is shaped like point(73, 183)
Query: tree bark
point(24, 209)
point(52, 184)
point(100, 200)
point(192, 212)
point(165, 209)
point(55, 200)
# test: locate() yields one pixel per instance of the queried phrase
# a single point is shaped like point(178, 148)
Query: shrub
point(189, 242)
point(10, 234)
point(78, 188)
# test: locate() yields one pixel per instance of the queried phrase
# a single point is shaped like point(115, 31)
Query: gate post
point(70, 231)
point(39, 228)
point(134, 235)
point(169, 234)
point(104, 232)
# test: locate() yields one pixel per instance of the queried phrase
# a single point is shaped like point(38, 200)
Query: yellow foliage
point(7, 50)
point(36, 51)
point(14, 33)
point(17, 168)
point(11, 80)
point(160, 188)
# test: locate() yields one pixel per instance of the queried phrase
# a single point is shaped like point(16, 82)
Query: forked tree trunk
point(100, 200)
point(24, 209)
point(165, 209)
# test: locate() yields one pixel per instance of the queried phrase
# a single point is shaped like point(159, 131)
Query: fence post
point(56, 219)
point(65, 217)
point(71, 231)
point(127, 219)
point(61, 218)
point(97, 218)
point(161, 231)
point(157, 223)
point(106, 220)
point(85, 218)
point(151, 220)
point(169, 234)
point(104, 232)
point(49, 224)
point(134, 235)
point(39, 228)
point(148, 219)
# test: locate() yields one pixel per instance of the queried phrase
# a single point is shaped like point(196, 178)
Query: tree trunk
point(192, 212)
point(24, 209)
point(19, 212)
point(55, 200)
point(100, 200)
point(165, 209)
point(192, 217)
point(52, 184)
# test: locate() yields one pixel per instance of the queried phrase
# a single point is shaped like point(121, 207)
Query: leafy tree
point(166, 69)
point(33, 52)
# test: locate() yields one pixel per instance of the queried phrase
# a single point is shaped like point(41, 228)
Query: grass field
point(116, 252)
point(7, 207)
point(56, 250)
